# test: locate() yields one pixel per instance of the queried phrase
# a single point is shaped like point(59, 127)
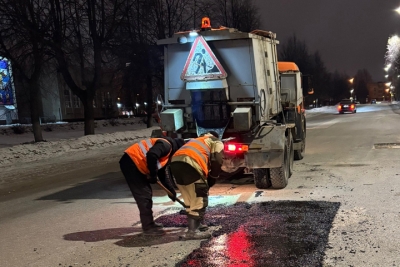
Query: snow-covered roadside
point(43, 150)
point(23, 164)
point(315, 111)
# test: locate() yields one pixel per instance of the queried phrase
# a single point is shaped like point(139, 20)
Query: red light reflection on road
point(239, 249)
point(233, 250)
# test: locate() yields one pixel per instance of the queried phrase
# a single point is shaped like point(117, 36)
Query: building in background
point(379, 91)
point(58, 103)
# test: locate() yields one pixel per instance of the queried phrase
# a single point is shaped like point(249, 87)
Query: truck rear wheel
point(290, 153)
point(262, 178)
point(299, 154)
point(280, 176)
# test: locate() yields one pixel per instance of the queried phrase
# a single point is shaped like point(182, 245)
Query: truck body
point(230, 82)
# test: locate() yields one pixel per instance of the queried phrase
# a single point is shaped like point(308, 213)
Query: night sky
point(349, 34)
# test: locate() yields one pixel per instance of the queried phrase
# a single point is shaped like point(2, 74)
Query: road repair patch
point(276, 233)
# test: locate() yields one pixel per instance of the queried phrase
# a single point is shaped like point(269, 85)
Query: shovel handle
point(171, 195)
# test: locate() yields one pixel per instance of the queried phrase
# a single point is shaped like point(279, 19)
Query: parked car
point(346, 105)
point(373, 101)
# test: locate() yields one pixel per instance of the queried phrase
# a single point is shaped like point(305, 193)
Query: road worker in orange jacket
point(143, 164)
point(195, 167)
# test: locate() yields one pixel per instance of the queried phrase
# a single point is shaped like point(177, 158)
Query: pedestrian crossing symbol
point(202, 63)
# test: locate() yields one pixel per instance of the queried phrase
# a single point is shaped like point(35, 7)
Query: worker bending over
point(145, 163)
point(196, 166)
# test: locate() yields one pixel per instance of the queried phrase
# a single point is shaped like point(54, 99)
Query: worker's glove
point(173, 197)
point(153, 180)
point(211, 180)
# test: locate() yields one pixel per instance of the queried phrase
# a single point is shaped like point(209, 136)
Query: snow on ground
point(67, 138)
point(64, 138)
point(316, 111)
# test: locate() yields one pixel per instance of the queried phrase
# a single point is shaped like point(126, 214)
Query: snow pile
point(319, 110)
point(43, 150)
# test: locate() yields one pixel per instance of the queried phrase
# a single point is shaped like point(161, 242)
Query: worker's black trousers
point(141, 190)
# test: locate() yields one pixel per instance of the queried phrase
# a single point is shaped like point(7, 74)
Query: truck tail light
point(235, 148)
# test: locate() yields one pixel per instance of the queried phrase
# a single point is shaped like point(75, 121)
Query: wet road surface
point(277, 233)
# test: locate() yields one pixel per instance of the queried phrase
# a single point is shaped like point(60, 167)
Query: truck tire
point(280, 176)
point(299, 154)
point(261, 178)
point(290, 153)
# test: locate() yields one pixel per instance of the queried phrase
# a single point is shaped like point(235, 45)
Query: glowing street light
point(387, 67)
point(386, 75)
point(397, 10)
point(351, 80)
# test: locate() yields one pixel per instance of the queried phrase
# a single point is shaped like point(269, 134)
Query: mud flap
point(267, 148)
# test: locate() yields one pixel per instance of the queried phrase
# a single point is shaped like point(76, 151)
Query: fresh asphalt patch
point(275, 233)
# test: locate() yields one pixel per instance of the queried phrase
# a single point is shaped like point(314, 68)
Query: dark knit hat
point(179, 142)
point(214, 133)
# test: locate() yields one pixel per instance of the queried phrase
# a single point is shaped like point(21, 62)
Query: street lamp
point(397, 10)
point(351, 94)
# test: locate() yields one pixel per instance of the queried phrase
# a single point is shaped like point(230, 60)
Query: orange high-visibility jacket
point(138, 151)
point(199, 151)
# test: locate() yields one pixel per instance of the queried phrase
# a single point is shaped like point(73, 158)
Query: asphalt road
point(339, 209)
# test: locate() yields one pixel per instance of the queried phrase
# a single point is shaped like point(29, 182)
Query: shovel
point(171, 195)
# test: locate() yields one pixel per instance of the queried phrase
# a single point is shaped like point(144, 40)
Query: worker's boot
point(203, 227)
point(193, 231)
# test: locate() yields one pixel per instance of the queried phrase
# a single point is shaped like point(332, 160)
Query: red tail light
point(235, 148)
point(339, 107)
point(352, 106)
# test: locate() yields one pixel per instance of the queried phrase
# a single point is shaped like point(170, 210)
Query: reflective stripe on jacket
point(199, 151)
point(138, 151)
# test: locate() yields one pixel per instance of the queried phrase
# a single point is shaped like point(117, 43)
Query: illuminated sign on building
point(6, 88)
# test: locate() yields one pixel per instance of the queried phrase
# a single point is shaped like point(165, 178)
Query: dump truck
point(231, 82)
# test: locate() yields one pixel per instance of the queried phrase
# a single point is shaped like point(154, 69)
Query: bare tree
point(80, 38)
point(240, 14)
point(297, 51)
point(147, 22)
point(22, 34)
point(360, 82)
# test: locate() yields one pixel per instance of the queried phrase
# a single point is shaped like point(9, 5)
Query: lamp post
point(352, 89)
point(137, 108)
